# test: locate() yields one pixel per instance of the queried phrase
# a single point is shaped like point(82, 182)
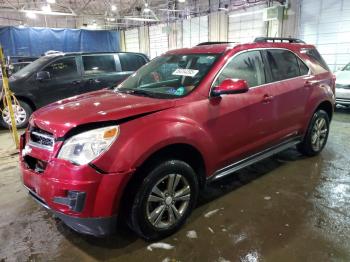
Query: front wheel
point(164, 200)
point(316, 135)
point(22, 112)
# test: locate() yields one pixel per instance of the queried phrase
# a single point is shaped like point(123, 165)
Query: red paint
point(223, 129)
point(231, 86)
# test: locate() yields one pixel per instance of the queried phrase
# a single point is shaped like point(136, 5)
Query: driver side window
point(247, 66)
point(65, 67)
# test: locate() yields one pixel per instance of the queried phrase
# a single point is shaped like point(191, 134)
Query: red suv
point(144, 150)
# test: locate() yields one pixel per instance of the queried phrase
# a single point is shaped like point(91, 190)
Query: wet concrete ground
point(286, 208)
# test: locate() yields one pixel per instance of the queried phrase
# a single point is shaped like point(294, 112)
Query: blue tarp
point(30, 41)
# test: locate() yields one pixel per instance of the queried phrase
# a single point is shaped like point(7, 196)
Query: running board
point(253, 159)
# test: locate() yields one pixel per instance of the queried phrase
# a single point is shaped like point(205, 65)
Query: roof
point(206, 49)
point(90, 53)
point(221, 48)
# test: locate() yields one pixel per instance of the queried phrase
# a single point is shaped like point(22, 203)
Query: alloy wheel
point(19, 114)
point(319, 134)
point(168, 201)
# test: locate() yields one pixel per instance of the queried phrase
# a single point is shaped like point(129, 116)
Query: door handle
point(76, 82)
point(91, 80)
point(310, 83)
point(267, 99)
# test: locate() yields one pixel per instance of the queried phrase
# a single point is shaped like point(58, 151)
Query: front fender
point(140, 139)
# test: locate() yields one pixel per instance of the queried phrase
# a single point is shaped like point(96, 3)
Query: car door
point(100, 71)
point(130, 62)
point(242, 123)
point(291, 88)
point(64, 80)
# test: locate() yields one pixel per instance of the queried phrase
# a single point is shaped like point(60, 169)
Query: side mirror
point(230, 86)
point(43, 75)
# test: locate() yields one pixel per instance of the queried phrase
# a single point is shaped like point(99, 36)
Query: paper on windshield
point(185, 72)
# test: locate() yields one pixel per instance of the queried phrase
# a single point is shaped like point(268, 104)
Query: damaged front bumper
point(96, 226)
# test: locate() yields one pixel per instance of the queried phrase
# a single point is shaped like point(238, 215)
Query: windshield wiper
point(135, 91)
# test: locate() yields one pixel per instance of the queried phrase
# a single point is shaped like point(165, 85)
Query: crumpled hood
point(105, 105)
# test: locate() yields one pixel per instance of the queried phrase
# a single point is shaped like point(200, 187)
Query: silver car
point(343, 86)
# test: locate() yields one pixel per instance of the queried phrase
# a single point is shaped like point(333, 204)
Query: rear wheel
point(22, 112)
point(164, 200)
point(316, 135)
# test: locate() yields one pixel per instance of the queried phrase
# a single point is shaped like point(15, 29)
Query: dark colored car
point(143, 151)
point(15, 67)
point(20, 59)
point(60, 75)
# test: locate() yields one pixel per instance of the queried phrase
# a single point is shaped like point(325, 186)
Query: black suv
point(61, 75)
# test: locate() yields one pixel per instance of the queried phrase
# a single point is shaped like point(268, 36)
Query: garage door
point(246, 26)
point(195, 31)
point(158, 40)
point(327, 25)
point(132, 40)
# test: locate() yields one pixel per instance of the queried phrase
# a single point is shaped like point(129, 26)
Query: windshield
point(169, 76)
point(32, 67)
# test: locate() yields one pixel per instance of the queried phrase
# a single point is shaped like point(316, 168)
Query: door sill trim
point(236, 166)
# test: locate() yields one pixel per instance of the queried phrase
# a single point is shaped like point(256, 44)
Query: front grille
point(41, 138)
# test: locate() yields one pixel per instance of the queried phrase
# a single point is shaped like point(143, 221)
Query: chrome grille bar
point(41, 139)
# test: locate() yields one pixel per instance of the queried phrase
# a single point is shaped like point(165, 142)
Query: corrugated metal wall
point(132, 43)
point(195, 31)
point(158, 40)
point(326, 24)
point(245, 26)
point(162, 38)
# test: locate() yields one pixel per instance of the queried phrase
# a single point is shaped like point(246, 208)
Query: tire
point(22, 120)
point(316, 134)
point(155, 212)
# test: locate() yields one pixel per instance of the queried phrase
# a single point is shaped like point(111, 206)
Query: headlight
point(87, 146)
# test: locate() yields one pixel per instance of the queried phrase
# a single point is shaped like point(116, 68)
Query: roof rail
point(214, 43)
point(278, 39)
point(53, 52)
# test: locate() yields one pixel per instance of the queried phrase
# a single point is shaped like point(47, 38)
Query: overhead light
point(114, 8)
point(146, 9)
point(46, 8)
point(181, 1)
point(51, 1)
point(246, 13)
point(171, 10)
point(141, 19)
point(93, 25)
point(39, 12)
point(31, 15)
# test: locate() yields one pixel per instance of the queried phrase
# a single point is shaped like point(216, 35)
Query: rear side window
point(284, 64)
point(131, 62)
point(96, 64)
point(247, 66)
point(315, 55)
point(304, 70)
point(63, 68)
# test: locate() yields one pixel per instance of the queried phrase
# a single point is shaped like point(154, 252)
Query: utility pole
point(7, 98)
